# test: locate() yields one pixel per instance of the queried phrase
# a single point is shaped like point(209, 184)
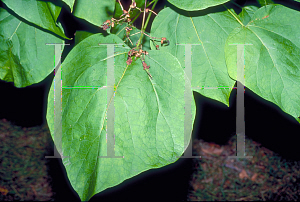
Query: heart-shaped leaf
point(149, 114)
point(272, 62)
point(207, 35)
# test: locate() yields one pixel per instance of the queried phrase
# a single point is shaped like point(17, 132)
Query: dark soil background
point(265, 123)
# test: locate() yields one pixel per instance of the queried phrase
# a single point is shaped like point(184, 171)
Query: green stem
point(140, 13)
point(144, 26)
point(150, 14)
point(144, 17)
point(234, 16)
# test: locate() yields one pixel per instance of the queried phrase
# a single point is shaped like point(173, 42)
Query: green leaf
point(246, 14)
point(265, 2)
point(5, 67)
point(25, 58)
point(81, 35)
point(95, 12)
point(272, 62)
point(70, 3)
point(191, 5)
point(41, 13)
point(148, 117)
point(207, 34)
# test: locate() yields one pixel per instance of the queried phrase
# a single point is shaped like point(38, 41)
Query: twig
point(121, 5)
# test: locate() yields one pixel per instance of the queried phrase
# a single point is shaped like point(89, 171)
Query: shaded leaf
point(118, 10)
point(41, 13)
point(265, 2)
point(81, 35)
point(25, 58)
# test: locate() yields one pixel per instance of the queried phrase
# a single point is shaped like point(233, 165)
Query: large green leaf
point(192, 5)
point(41, 13)
point(208, 34)
point(25, 58)
point(272, 62)
point(95, 11)
point(149, 114)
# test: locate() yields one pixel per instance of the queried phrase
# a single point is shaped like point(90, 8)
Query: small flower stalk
point(126, 17)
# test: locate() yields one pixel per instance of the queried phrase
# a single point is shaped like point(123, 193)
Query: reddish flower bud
point(145, 66)
point(162, 40)
point(129, 61)
point(105, 27)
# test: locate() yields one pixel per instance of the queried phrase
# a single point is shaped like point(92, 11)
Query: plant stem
point(150, 14)
point(144, 16)
point(144, 26)
point(234, 16)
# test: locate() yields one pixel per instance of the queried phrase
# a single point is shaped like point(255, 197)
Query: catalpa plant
point(121, 101)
